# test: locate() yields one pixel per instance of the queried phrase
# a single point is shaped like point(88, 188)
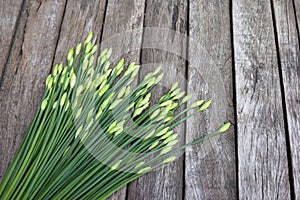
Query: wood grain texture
point(289, 52)
point(210, 166)
point(10, 12)
point(262, 157)
point(297, 11)
point(123, 33)
point(80, 18)
point(28, 65)
point(162, 46)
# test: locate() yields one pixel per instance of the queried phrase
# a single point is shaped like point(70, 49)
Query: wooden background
point(254, 45)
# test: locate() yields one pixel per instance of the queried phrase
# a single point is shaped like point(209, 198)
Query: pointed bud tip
point(224, 127)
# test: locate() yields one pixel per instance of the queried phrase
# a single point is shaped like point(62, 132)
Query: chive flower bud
point(170, 159)
point(170, 138)
point(162, 132)
point(165, 150)
point(89, 37)
point(72, 80)
point(174, 86)
point(205, 105)
point(224, 127)
point(44, 104)
point(116, 165)
point(63, 99)
point(154, 114)
point(78, 49)
point(70, 54)
point(144, 170)
point(196, 104)
point(153, 145)
point(186, 98)
point(139, 165)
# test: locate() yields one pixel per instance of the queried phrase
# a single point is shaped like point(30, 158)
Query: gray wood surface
point(29, 62)
point(262, 155)
point(210, 166)
point(297, 11)
point(166, 182)
point(9, 15)
point(242, 54)
point(288, 43)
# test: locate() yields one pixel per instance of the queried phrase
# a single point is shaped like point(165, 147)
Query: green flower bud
point(129, 69)
point(103, 90)
point(148, 76)
point(115, 103)
point(166, 103)
point(149, 135)
point(205, 105)
point(78, 49)
point(67, 105)
point(170, 159)
point(165, 150)
point(155, 114)
point(63, 99)
point(170, 138)
point(196, 104)
point(116, 165)
point(49, 81)
point(78, 131)
point(169, 133)
point(158, 79)
point(144, 170)
point(88, 47)
point(157, 70)
point(79, 90)
point(91, 61)
point(85, 64)
point(121, 92)
point(89, 37)
point(172, 143)
point(104, 52)
point(139, 165)
point(78, 113)
point(178, 96)
point(72, 80)
point(153, 145)
point(70, 54)
point(224, 128)
point(67, 83)
point(54, 105)
point(174, 86)
point(94, 49)
point(44, 104)
point(175, 92)
point(90, 115)
point(186, 98)
point(162, 132)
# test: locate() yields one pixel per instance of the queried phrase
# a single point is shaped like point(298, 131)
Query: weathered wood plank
point(80, 18)
point(29, 64)
point(123, 33)
point(10, 12)
point(297, 11)
point(288, 44)
point(262, 153)
point(210, 166)
point(165, 47)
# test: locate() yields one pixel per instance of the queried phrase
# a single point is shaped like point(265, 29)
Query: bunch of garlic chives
point(94, 133)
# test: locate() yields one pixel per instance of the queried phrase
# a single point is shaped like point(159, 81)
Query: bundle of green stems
point(95, 131)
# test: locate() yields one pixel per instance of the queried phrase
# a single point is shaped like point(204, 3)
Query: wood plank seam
point(11, 44)
point(287, 140)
